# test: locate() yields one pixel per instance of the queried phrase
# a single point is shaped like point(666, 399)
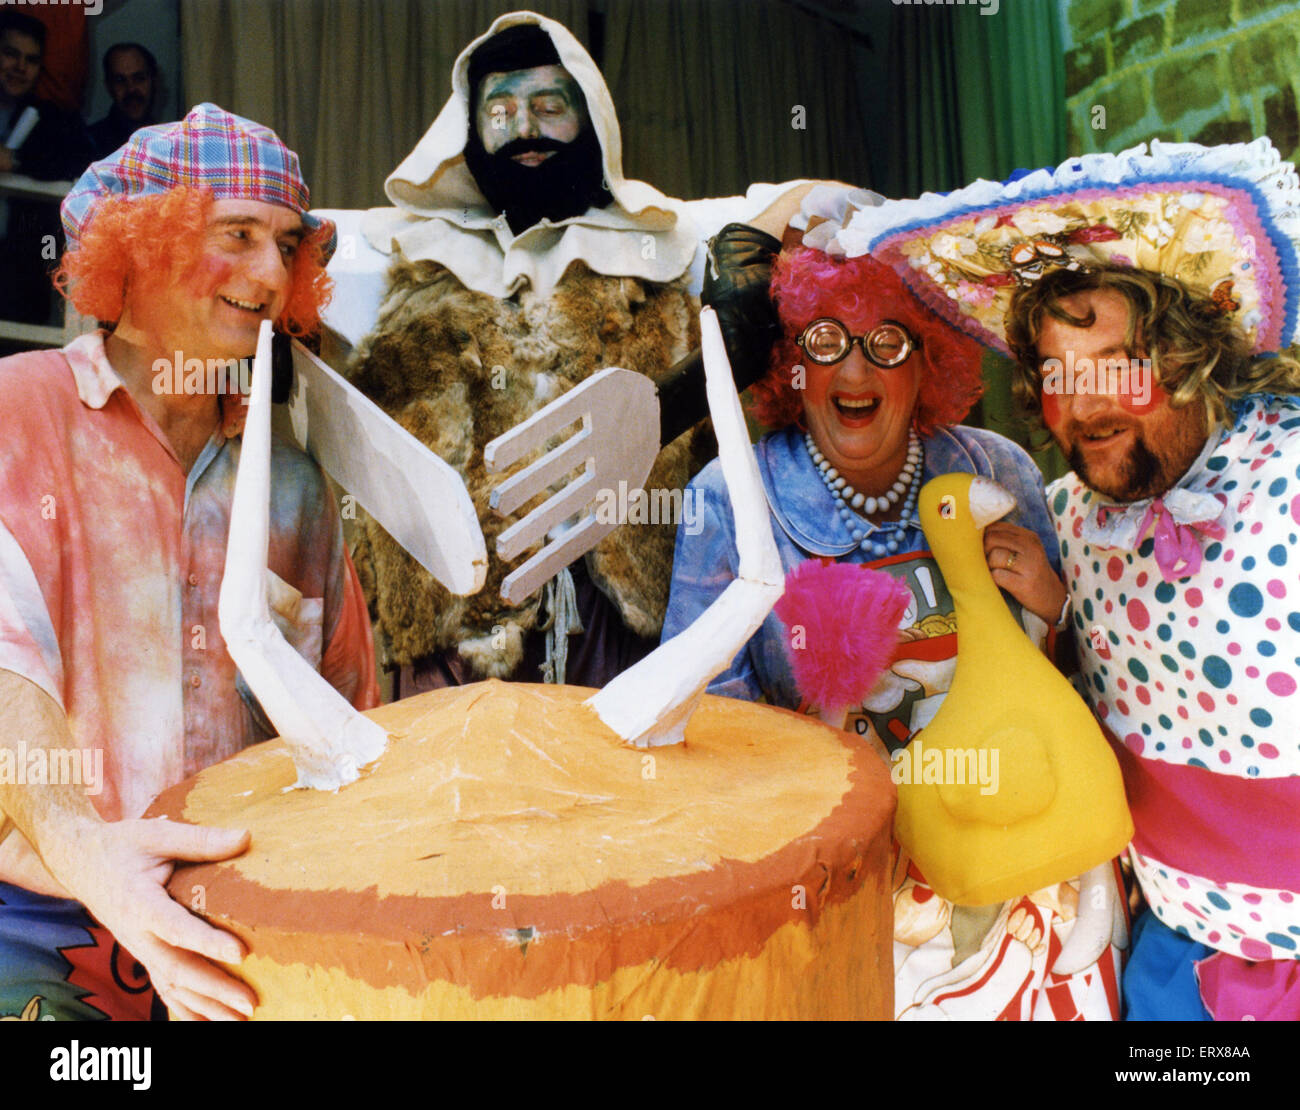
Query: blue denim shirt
point(807, 524)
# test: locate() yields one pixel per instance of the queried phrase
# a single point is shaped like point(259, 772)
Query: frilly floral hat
point(1224, 220)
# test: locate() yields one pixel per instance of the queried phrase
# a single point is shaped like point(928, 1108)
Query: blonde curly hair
point(1196, 348)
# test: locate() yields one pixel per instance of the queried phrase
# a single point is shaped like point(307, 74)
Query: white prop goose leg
point(650, 703)
point(329, 740)
point(1095, 927)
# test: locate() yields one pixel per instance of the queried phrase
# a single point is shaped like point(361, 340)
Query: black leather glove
point(735, 287)
point(736, 278)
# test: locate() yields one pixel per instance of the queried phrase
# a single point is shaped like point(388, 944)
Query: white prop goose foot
point(329, 740)
point(650, 703)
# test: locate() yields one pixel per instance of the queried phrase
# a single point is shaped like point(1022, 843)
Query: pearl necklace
point(854, 506)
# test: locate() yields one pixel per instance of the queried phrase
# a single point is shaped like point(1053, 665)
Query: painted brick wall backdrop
point(1208, 71)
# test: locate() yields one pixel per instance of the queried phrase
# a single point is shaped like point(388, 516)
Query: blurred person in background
point(131, 78)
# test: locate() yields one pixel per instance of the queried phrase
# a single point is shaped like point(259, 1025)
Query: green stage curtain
point(976, 96)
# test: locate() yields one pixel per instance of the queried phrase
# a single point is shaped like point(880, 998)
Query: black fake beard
point(568, 183)
point(1140, 476)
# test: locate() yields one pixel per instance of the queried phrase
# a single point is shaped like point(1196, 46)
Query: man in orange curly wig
point(115, 493)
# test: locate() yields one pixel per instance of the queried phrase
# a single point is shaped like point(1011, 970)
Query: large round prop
point(508, 857)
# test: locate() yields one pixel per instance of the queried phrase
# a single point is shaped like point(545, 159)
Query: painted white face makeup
point(539, 103)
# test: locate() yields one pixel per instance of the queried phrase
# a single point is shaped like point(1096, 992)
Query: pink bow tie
point(1177, 547)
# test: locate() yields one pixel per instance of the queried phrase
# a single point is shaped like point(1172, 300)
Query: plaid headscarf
point(232, 157)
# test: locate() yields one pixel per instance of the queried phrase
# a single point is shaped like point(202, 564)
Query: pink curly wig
point(156, 242)
point(860, 292)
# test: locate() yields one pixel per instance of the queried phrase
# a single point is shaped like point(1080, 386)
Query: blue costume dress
point(950, 961)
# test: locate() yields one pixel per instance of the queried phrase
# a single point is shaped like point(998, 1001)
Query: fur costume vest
point(458, 368)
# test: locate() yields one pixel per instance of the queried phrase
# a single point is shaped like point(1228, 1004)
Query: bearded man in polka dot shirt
point(1179, 531)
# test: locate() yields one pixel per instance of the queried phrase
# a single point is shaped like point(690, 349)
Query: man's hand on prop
point(118, 871)
point(20, 865)
point(736, 281)
point(1019, 565)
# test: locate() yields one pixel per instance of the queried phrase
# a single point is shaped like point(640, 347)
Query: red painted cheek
point(1130, 402)
point(1051, 409)
point(816, 382)
point(210, 275)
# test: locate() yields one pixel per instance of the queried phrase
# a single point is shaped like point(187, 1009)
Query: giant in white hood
point(441, 215)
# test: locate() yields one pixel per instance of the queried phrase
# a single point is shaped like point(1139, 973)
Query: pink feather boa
point(843, 624)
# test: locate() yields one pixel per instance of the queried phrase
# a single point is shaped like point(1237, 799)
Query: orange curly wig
point(860, 292)
point(156, 242)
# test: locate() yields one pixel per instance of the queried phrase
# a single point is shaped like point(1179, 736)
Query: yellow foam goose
point(1011, 787)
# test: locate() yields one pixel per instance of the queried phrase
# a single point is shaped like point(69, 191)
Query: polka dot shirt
point(1202, 672)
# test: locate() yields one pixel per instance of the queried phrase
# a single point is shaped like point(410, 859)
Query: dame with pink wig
point(866, 390)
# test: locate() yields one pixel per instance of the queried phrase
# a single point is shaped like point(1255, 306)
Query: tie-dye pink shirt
point(111, 560)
